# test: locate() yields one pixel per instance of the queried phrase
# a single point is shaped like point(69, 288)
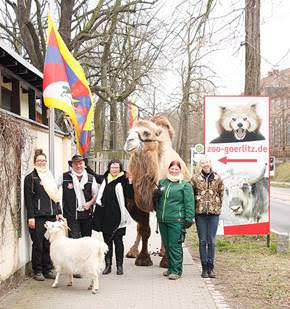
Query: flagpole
point(51, 126)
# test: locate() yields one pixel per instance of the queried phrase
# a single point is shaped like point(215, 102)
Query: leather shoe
point(49, 275)
point(38, 277)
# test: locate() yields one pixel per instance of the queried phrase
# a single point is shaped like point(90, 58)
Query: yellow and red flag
point(65, 87)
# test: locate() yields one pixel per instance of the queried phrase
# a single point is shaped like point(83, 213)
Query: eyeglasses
point(40, 161)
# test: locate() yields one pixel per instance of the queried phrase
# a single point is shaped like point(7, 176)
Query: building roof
point(276, 78)
point(19, 66)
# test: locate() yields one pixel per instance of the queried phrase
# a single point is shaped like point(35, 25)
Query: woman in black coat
point(41, 199)
point(110, 215)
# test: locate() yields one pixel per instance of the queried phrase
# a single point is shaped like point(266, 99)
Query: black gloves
point(187, 224)
point(156, 196)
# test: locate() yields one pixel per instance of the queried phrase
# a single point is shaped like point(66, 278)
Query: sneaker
point(174, 276)
point(49, 275)
point(78, 276)
point(38, 277)
point(166, 273)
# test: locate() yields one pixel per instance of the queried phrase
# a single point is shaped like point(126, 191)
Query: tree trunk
point(253, 58)
point(113, 125)
point(99, 126)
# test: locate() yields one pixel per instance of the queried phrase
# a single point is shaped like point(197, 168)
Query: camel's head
point(143, 133)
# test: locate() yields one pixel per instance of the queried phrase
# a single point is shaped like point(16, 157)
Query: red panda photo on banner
point(238, 124)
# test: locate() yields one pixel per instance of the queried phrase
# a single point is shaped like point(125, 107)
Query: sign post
point(237, 142)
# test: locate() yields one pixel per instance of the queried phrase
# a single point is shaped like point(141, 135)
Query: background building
point(277, 86)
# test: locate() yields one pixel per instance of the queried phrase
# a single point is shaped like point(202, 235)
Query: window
point(6, 99)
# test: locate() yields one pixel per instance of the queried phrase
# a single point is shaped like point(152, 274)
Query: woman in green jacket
point(175, 213)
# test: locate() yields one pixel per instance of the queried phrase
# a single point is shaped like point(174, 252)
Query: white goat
point(72, 256)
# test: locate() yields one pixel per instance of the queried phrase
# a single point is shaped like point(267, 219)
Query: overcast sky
point(275, 48)
point(228, 61)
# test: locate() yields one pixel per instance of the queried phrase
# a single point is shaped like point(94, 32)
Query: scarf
point(125, 216)
point(48, 183)
point(79, 187)
point(175, 178)
point(111, 177)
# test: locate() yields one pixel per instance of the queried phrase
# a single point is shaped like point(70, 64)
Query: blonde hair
point(203, 159)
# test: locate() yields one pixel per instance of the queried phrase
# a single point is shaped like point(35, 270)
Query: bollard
point(282, 243)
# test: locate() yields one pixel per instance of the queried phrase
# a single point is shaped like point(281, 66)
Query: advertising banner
point(237, 142)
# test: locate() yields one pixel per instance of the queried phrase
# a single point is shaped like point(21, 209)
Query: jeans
point(206, 229)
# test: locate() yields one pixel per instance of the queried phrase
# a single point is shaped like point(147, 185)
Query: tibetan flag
point(133, 114)
point(65, 87)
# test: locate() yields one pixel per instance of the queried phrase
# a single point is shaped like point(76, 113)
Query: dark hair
point(38, 152)
point(115, 161)
point(175, 162)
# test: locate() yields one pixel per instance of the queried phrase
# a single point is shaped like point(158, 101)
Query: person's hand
point(188, 224)
point(87, 205)
point(59, 217)
point(130, 178)
point(31, 223)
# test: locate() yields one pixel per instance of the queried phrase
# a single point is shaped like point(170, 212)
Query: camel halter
point(145, 141)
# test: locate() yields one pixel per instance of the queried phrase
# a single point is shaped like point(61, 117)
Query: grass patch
point(249, 274)
point(282, 172)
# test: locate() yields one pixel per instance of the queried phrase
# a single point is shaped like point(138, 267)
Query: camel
point(149, 143)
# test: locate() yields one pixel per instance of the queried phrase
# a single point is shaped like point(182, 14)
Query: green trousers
point(171, 234)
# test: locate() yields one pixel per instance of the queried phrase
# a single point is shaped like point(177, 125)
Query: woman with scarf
point(41, 198)
point(209, 189)
point(175, 213)
point(110, 215)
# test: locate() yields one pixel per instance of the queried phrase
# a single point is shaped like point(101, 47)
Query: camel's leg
point(133, 252)
point(162, 249)
point(143, 259)
point(164, 262)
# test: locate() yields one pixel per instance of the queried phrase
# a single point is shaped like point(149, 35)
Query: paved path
point(139, 287)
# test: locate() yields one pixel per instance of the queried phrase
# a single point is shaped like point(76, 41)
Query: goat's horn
point(260, 177)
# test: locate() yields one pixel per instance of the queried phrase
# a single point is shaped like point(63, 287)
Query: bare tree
point(114, 41)
point(194, 80)
point(253, 58)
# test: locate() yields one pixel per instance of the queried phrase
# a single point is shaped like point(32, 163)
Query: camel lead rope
point(157, 227)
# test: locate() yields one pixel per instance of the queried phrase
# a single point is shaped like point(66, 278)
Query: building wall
point(15, 250)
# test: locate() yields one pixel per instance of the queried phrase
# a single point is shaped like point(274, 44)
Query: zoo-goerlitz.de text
point(243, 148)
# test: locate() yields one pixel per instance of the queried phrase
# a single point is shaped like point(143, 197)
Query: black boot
point(204, 273)
point(108, 260)
point(109, 254)
point(120, 270)
point(210, 271)
point(119, 251)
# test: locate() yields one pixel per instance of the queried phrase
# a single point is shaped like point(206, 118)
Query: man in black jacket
point(79, 196)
